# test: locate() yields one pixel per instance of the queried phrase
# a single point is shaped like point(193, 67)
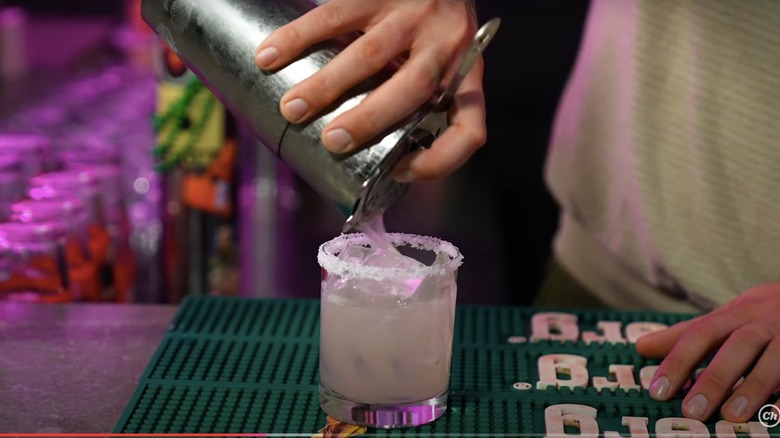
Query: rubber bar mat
point(232, 365)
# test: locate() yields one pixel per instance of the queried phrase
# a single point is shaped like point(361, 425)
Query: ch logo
point(769, 416)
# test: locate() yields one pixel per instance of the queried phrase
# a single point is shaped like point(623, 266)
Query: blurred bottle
point(119, 266)
point(32, 263)
point(12, 183)
point(72, 217)
point(13, 46)
point(31, 149)
point(134, 38)
point(85, 185)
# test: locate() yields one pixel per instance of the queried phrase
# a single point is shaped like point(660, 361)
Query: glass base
point(382, 416)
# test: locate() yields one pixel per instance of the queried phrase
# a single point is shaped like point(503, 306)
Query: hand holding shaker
point(217, 38)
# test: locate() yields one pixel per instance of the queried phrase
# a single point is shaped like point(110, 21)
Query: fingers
point(427, 35)
point(321, 23)
point(692, 347)
point(415, 81)
point(363, 58)
point(751, 395)
point(465, 135)
point(730, 363)
point(658, 344)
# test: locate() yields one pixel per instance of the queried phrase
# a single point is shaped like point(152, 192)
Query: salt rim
point(326, 256)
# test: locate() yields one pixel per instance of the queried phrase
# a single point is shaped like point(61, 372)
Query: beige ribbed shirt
point(665, 152)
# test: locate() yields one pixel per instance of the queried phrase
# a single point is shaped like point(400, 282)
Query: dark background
point(112, 8)
point(526, 68)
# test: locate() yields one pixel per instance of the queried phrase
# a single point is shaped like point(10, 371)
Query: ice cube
point(431, 286)
point(361, 366)
point(403, 286)
point(354, 254)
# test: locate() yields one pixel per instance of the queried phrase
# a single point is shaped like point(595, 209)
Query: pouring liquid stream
point(385, 254)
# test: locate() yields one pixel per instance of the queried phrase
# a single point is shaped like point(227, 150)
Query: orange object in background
point(89, 224)
point(134, 19)
point(209, 190)
point(98, 244)
point(124, 271)
point(109, 245)
point(39, 282)
point(32, 265)
point(78, 245)
point(83, 273)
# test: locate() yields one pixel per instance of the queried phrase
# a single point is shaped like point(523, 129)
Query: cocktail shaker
point(217, 39)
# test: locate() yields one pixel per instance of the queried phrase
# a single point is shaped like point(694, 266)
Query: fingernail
point(697, 406)
point(660, 388)
point(265, 57)
point(738, 406)
point(296, 109)
point(337, 140)
point(406, 177)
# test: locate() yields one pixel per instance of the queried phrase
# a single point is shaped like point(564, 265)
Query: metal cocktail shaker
point(217, 40)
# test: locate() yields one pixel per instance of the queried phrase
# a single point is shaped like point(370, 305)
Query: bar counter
point(231, 365)
point(71, 368)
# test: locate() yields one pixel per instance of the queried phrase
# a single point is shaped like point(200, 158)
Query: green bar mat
point(233, 365)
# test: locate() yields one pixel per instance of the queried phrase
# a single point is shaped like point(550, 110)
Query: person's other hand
point(429, 33)
point(744, 334)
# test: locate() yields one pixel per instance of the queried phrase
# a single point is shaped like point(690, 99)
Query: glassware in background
point(86, 151)
point(30, 148)
point(12, 183)
point(84, 184)
point(70, 215)
point(118, 268)
point(386, 329)
point(96, 118)
point(32, 263)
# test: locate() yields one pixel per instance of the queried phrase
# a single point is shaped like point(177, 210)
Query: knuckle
point(288, 35)
point(757, 383)
point(703, 331)
point(428, 174)
point(675, 362)
point(424, 77)
point(478, 137)
point(460, 37)
point(320, 88)
point(474, 137)
point(331, 17)
point(372, 52)
point(715, 378)
point(370, 123)
point(465, 34)
point(752, 335)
